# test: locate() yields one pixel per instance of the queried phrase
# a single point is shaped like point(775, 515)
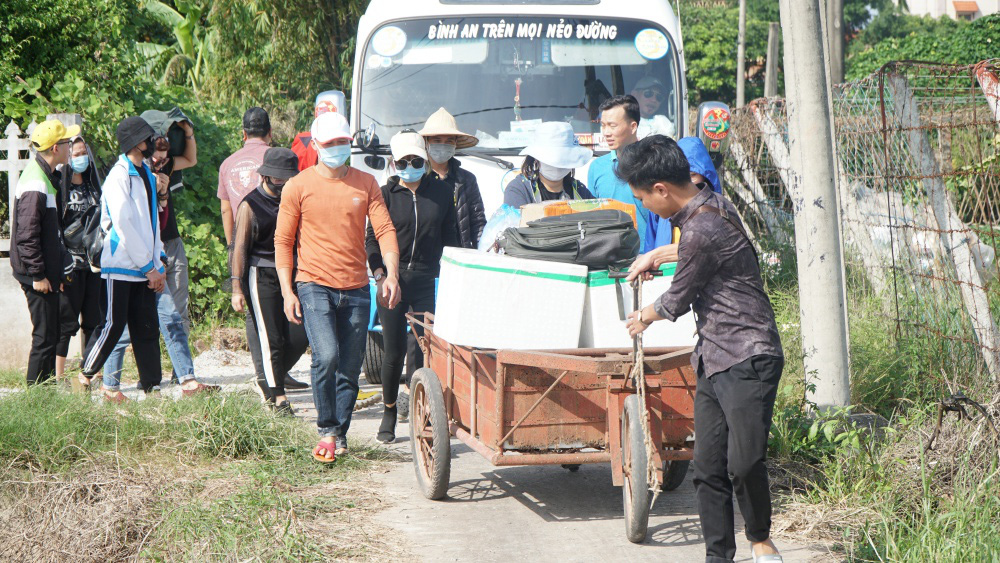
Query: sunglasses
point(650, 93)
point(415, 162)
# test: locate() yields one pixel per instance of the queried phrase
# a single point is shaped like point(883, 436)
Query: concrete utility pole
point(835, 30)
point(771, 66)
point(741, 56)
point(822, 295)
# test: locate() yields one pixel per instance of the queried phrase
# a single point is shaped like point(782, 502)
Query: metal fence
point(919, 196)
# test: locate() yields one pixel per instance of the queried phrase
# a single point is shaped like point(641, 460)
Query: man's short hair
point(626, 102)
point(256, 122)
point(654, 159)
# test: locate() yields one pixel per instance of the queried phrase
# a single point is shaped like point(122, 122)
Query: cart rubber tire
point(430, 439)
point(573, 467)
point(674, 474)
point(635, 489)
point(374, 348)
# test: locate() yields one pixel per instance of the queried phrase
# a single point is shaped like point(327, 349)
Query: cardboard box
point(602, 323)
point(488, 300)
point(533, 211)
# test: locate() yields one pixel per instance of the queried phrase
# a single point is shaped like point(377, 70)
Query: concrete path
point(510, 513)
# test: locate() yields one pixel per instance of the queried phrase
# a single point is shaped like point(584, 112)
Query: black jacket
point(36, 246)
point(425, 224)
point(468, 203)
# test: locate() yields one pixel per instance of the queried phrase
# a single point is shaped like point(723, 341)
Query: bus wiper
point(498, 161)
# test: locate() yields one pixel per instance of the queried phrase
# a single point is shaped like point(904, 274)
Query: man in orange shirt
point(321, 221)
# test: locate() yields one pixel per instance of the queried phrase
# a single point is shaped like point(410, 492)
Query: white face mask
point(552, 173)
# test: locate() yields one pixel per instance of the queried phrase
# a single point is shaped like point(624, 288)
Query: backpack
point(85, 233)
point(601, 239)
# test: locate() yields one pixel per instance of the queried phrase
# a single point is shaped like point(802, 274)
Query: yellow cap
point(50, 132)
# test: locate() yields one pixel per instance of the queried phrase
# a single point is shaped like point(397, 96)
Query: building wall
point(938, 8)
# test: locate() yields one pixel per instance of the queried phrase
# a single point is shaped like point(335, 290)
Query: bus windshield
point(502, 77)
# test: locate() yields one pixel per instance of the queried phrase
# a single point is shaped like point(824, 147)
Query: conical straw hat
point(443, 123)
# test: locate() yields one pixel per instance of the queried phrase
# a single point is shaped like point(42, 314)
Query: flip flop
point(117, 397)
point(769, 558)
point(327, 447)
point(81, 383)
point(201, 388)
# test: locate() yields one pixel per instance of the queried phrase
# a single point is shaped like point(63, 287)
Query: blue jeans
point(337, 324)
point(174, 334)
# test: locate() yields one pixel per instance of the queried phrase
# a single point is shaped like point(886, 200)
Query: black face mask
point(276, 188)
point(149, 150)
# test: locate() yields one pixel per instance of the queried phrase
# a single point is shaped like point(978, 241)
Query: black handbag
point(600, 239)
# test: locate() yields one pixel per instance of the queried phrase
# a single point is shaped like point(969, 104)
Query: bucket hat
point(132, 131)
point(555, 144)
point(279, 162)
point(407, 143)
point(443, 123)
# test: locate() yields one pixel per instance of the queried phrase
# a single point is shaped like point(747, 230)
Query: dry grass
point(212, 480)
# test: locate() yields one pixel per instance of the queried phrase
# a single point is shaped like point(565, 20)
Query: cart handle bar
point(619, 275)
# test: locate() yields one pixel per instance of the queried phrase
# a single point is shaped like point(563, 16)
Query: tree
point(925, 39)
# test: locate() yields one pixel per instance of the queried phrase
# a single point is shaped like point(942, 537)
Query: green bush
point(941, 41)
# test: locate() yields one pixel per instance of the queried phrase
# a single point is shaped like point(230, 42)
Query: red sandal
point(117, 397)
point(200, 388)
point(328, 447)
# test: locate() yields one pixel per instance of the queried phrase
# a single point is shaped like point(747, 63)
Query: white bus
point(502, 67)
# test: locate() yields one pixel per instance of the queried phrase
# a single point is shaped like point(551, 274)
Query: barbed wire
point(918, 167)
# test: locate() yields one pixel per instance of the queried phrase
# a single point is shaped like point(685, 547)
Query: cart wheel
point(430, 439)
point(373, 358)
point(635, 491)
point(674, 473)
point(573, 467)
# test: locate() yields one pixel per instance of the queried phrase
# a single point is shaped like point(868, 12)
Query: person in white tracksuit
point(131, 261)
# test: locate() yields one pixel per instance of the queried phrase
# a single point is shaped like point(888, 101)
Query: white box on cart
point(488, 300)
point(602, 324)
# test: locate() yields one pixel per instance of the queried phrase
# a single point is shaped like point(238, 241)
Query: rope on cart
point(639, 377)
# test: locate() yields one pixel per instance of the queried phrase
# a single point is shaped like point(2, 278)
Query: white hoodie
point(132, 245)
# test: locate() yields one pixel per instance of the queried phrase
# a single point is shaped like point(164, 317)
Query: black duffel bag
point(600, 239)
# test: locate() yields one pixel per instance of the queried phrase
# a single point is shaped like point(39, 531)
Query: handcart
point(553, 407)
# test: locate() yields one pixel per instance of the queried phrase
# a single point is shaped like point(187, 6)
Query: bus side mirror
point(714, 122)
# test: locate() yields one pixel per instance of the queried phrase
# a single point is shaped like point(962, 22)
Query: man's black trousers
point(732, 419)
point(133, 304)
point(44, 311)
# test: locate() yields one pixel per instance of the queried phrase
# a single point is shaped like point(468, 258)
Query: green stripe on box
point(599, 279)
point(544, 275)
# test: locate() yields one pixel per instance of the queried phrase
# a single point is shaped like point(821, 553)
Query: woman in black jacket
point(79, 207)
point(423, 212)
point(443, 139)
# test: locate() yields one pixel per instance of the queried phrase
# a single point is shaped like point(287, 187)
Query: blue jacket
point(604, 183)
point(660, 233)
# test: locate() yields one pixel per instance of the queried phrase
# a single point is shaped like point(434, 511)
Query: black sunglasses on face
point(650, 93)
point(415, 162)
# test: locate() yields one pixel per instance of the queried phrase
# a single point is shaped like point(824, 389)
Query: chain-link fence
point(919, 190)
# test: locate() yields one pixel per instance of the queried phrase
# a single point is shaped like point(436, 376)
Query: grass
point(11, 378)
point(878, 495)
point(211, 478)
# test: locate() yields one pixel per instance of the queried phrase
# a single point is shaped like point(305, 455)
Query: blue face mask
point(79, 163)
point(412, 174)
point(335, 156)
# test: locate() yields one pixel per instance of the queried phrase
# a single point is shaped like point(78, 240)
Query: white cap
point(408, 143)
point(330, 126)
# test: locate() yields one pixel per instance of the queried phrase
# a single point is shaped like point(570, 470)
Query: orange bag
point(533, 211)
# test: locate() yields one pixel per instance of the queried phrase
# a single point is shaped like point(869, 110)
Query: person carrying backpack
point(79, 205)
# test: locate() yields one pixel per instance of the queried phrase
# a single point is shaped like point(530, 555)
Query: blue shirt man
point(619, 125)
point(659, 231)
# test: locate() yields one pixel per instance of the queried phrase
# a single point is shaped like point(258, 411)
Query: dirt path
point(494, 514)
